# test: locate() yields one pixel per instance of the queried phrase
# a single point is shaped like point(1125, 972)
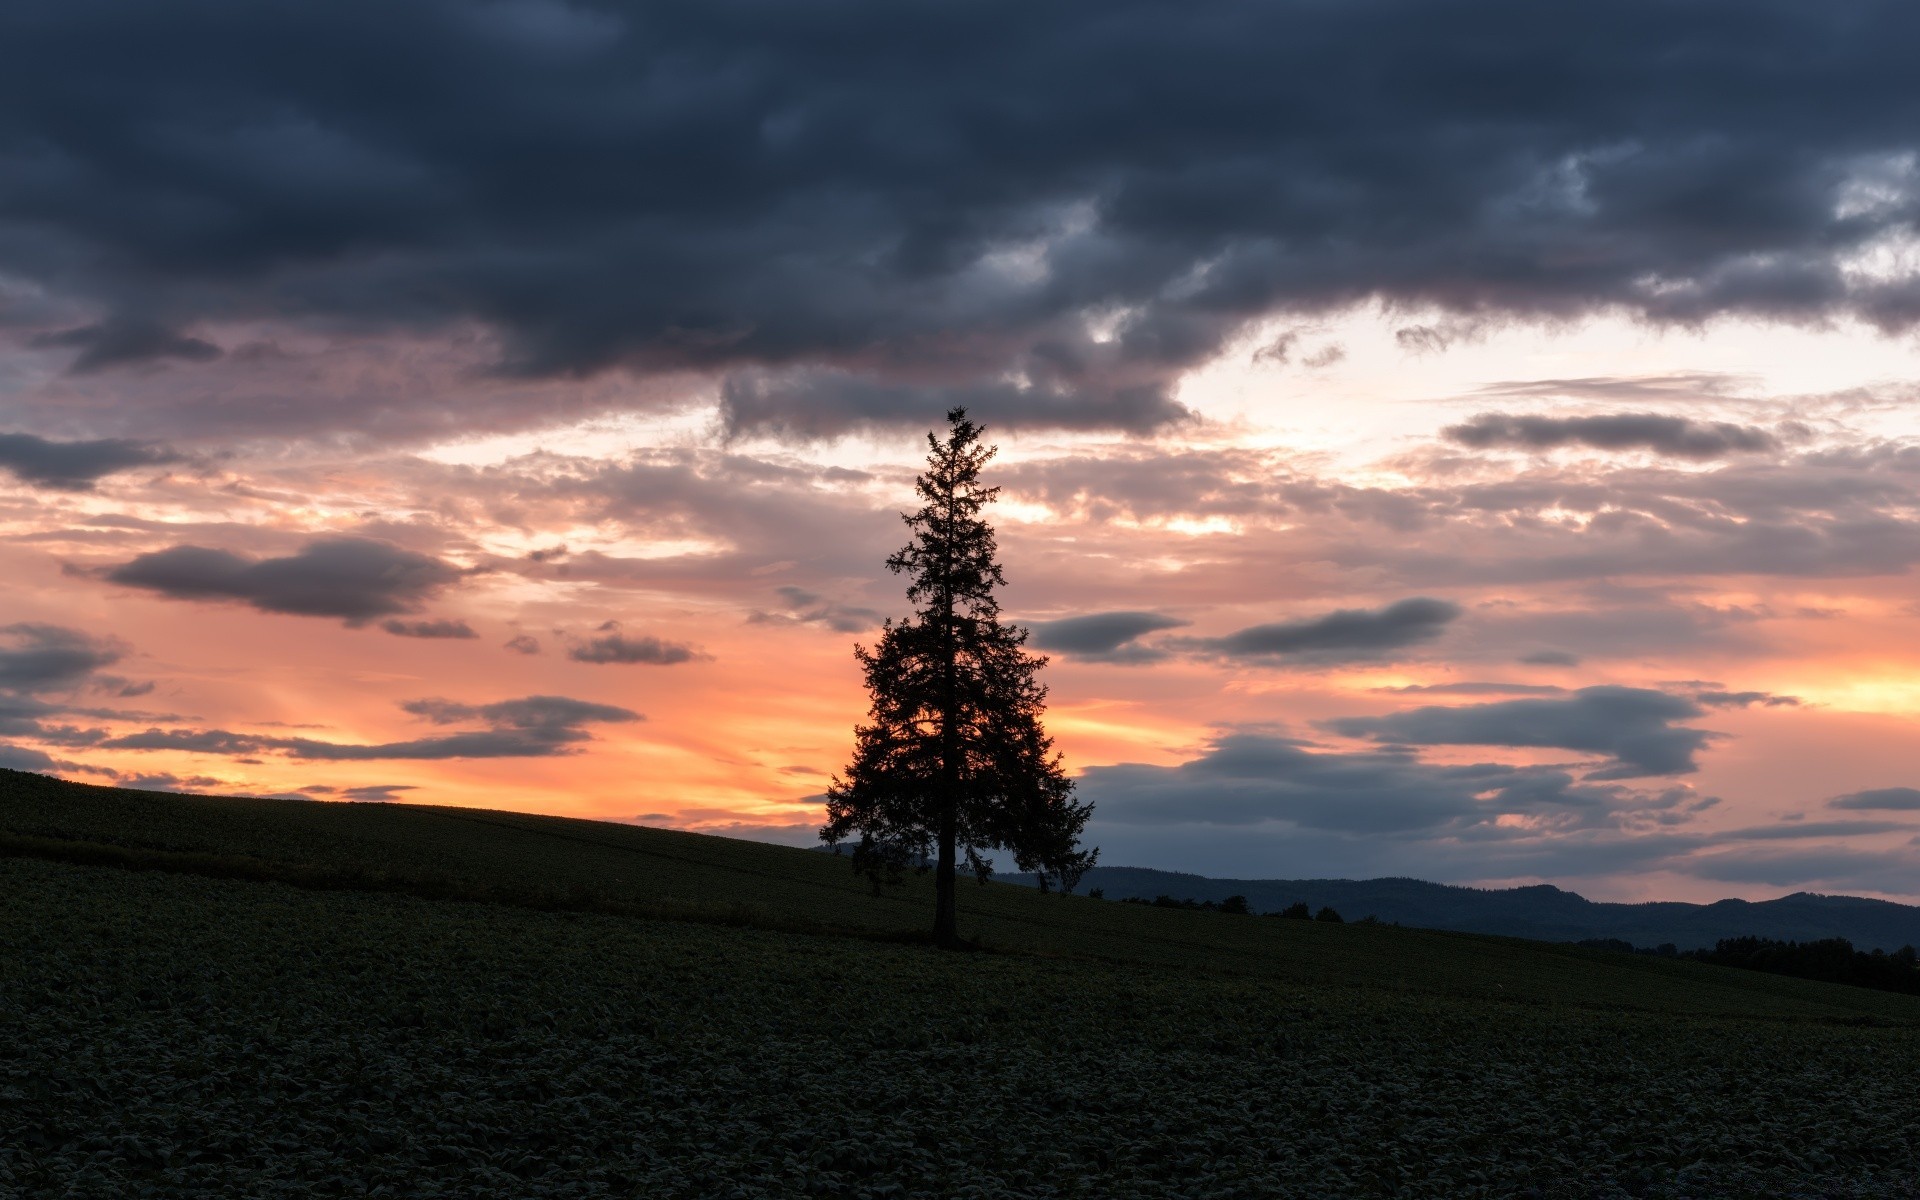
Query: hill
point(211, 996)
point(1542, 912)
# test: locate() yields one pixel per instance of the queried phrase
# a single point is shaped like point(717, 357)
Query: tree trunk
point(946, 916)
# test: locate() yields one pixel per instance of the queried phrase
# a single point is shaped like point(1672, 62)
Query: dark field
point(717, 1018)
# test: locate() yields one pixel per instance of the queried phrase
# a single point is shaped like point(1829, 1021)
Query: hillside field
point(259, 998)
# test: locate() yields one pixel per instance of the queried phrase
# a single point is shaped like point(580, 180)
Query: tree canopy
point(952, 760)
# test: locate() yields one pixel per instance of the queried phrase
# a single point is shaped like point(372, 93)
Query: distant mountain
point(1542, 911)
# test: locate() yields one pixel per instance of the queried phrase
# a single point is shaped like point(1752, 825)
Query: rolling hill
point(210, 996)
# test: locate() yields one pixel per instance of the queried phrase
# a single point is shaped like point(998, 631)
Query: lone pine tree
point(953, 760)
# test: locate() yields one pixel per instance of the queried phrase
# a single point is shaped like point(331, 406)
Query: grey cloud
point(809, 608)
point(1678, 437)
point(23, 758)
point(76, 466)
point(1802, 830)
point(37, 657)
point(1888, 799)
point(1105, 636)
point(126, 341)
point(529, 727)
point(439, 628)
point(612, 646)
point(1248, 779)
point(1550, 658)
point(831, 192)
point(1476, 689)
point(813, 404)
point(1835, 866)
point(1678, 386)
point(1343, 636)
point(528, 712)
point(376, 793)
point(1720, 699)
point(523, 643)
point(1634, 727)
point(355, 579)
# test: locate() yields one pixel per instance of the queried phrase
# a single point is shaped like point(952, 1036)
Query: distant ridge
point(1542, 911)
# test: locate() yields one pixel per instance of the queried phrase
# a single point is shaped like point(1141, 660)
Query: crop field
point(171, 1034)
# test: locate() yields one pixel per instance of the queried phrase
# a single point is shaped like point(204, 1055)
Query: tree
point(953, 759)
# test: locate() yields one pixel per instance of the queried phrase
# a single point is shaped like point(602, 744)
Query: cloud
point(1246, 779)
point(127, 341)
point(1550, 658)
point(809, 608)
point(612, 646)
point(376, 793)
point(1476, 689)
point(36, 657)
point(1111, 637)
point(529, 727)
point(1888, 799)
point(528, 712)
point(76, 466)
point(523, 643)
point(354, 579)
point(829, 218)
point(1717, 698)
point(1348, 635)
point(1678, 437)
point(1634, 727)
point(439, 628)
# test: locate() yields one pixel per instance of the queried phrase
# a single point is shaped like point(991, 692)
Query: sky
point(1465, 439)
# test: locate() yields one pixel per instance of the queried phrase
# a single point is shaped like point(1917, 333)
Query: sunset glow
point(1562, 534)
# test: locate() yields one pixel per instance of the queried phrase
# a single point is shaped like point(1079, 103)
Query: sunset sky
point(1474, 440)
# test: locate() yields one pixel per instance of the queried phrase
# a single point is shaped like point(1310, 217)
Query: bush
point(1327, 914)
point(1297, 911)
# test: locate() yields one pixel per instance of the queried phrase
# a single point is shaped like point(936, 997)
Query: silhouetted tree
point(953, 759)
point(1327, 914)
point(1297, 911)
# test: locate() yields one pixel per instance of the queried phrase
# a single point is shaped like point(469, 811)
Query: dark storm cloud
point(929, 202)
point(1888, 799)
point(75, 466)
point(1348, 635)
point(1634, 727)
point(37, 657)
point(355, 579)
point(609, 645)
point(113, 343)
point(437, 628)
point(529, 727)
point(1104, 637)
point(1678, 437)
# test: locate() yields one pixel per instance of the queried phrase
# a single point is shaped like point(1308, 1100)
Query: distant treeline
point(1830, 960)
point(1236, 905)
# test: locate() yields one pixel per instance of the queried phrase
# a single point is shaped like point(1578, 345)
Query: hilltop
point(1541, 911)
point(275, 998)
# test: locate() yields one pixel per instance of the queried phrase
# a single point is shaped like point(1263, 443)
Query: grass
point(293, 999)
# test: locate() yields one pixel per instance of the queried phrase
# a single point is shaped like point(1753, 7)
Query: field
point(462, 1003)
